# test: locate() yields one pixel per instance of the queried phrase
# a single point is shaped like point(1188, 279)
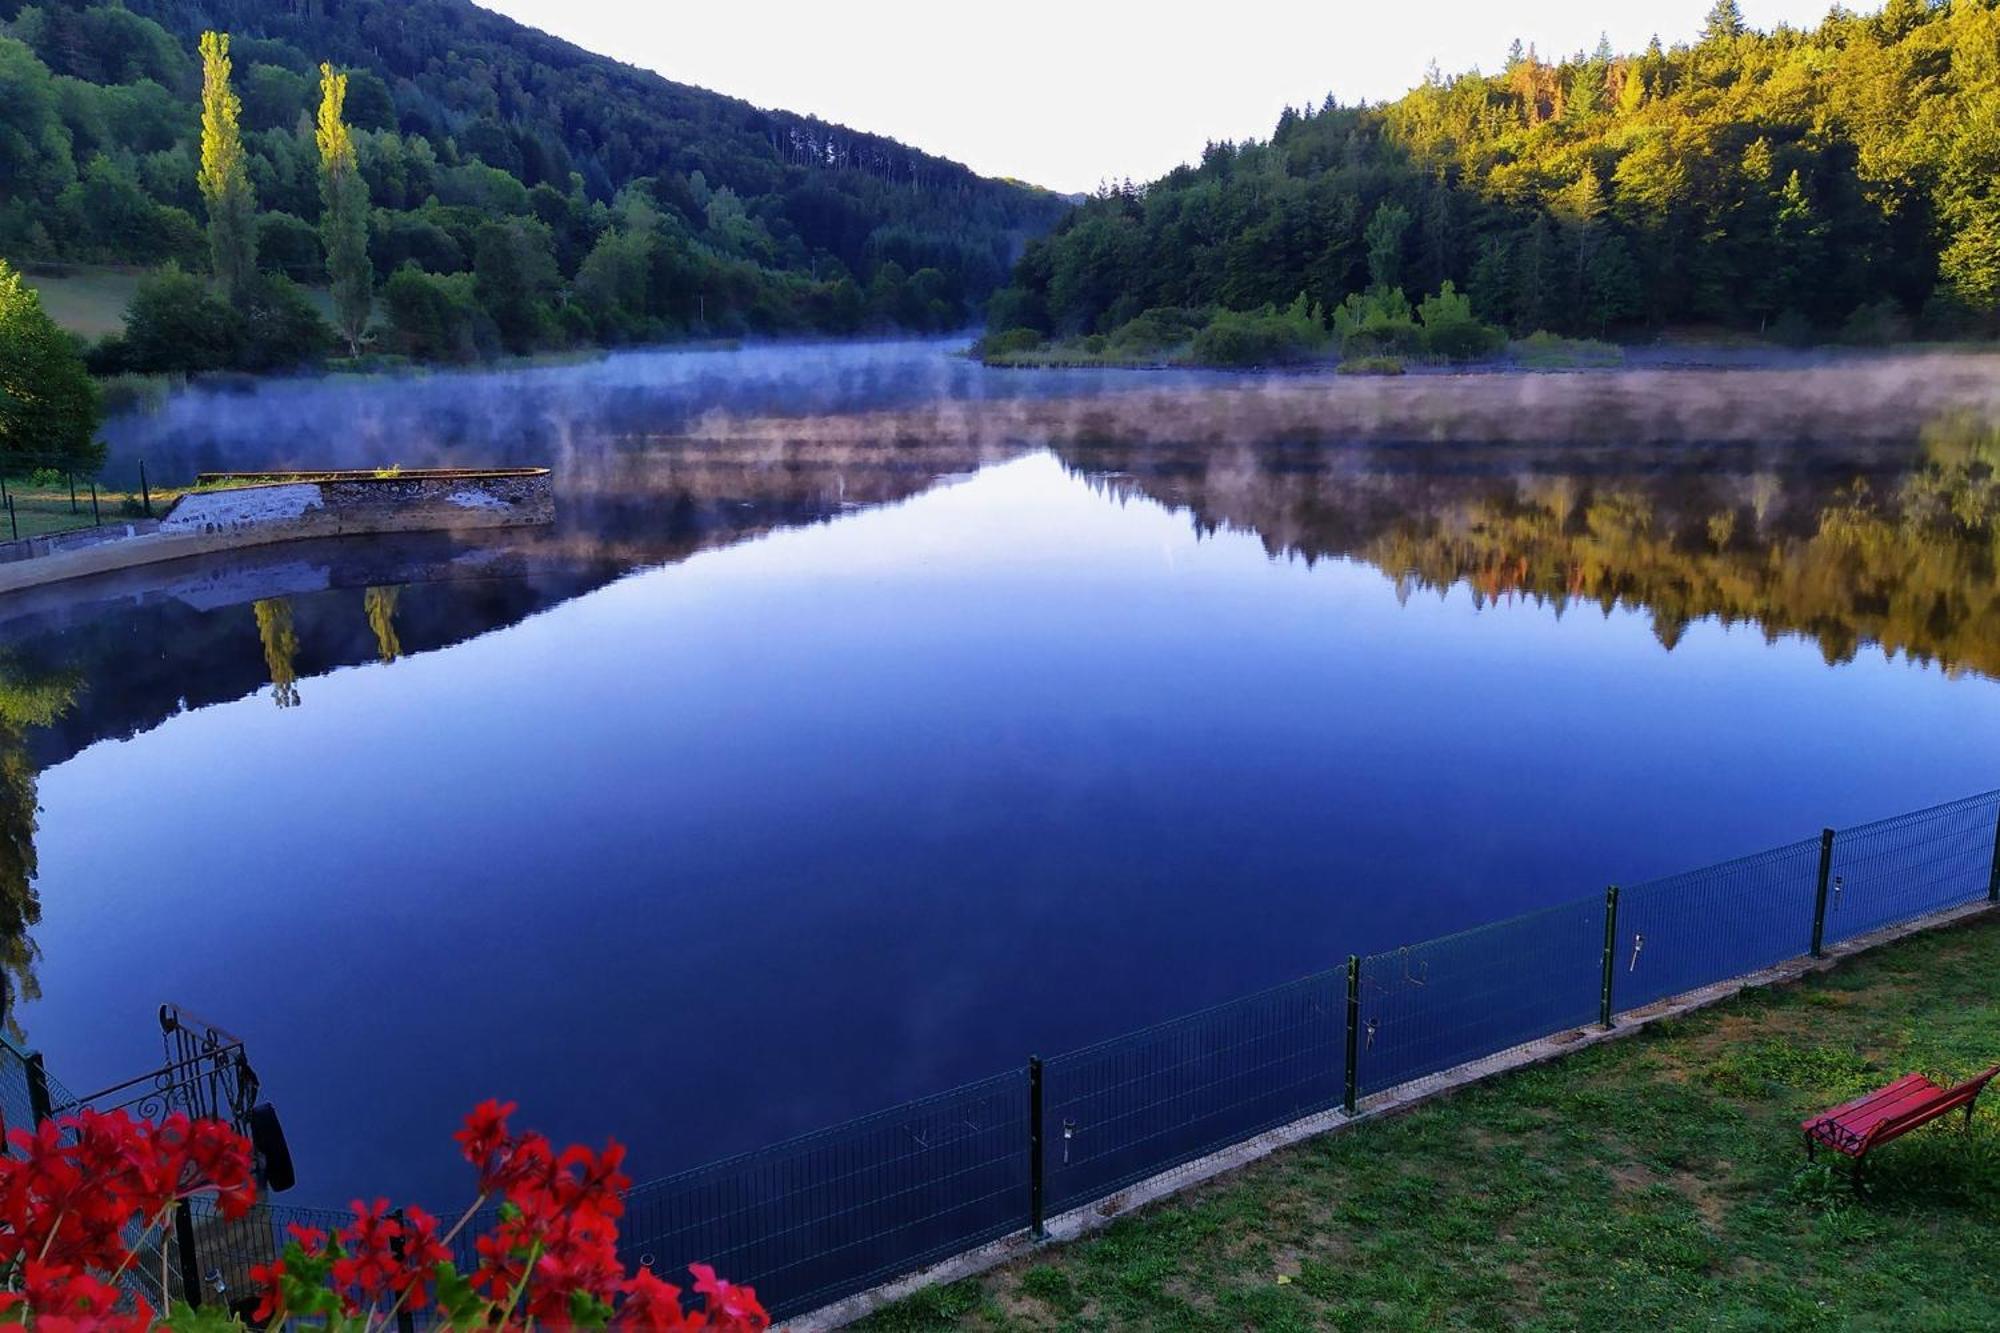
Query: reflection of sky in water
point(805, 826)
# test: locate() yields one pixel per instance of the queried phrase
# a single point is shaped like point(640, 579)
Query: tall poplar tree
point(344, 219)
point(225, 176)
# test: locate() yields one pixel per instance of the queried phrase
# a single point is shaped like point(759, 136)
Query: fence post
point(38, 1087)
point(96, 516)
point(1351, 1098)
point(12, 522)
point(1035, 1154)
point(1610, 951)
point(406, 1319)
point(1819, 901)
point(190, 1262)
point(1993, 876)
point(71, 478)
point(145, 491)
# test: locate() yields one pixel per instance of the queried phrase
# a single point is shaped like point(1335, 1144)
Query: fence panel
point(1688, 930)
point(1896, 870)
point(16, 1106)
point(833, 1213)
point(225, 1249)
point(1150, 1101)
point(1434, 1005)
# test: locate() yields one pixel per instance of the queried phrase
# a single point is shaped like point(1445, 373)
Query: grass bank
point(42, 505)
point(1651, 1183)
point(90, 300)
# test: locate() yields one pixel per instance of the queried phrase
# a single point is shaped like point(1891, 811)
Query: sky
point(1069, 93)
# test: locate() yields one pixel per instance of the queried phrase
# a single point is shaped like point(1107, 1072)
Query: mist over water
point(870, 719)
point(568, 416)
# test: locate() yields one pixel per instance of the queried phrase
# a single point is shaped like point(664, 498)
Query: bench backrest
point(1946, 1101)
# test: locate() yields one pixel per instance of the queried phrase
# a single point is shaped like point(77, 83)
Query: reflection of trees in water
point(27, 699)
point(381, 606)
point(281, 648)
point(1906, 561)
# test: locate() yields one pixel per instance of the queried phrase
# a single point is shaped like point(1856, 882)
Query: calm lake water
point(784, 781)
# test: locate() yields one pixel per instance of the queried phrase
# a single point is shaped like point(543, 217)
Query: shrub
point(1376, 322)
point(1881, 324)
point(175, 326)
point(281, 328)
point(436, 317)
point(1792, 329)
point(1452, 331)
point(1267, 337)
point(1009, 343)
point(1542, 350)
point(291, 246)
point(1157, 330)
point(1012, 308)
point(1372, 365)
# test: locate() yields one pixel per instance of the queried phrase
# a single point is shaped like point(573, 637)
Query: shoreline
point(289, 507)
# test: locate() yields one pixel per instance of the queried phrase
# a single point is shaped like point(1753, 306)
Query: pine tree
point(1632, 92)
point(1798, 245)
point(225, 176)
point(1439, 237)
point(1385, 245)
point(1725, 22)
point(1537, 281)
point(1492, 286)
point(344, 217)
point(1612, 292)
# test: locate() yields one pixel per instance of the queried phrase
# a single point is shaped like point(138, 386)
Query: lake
point(870, 721)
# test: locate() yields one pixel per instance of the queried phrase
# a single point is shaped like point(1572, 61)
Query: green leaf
point(455, 1296)
point(586, 1311)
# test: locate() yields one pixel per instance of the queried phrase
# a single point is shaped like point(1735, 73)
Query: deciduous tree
point(344, 215)
point(225, 174)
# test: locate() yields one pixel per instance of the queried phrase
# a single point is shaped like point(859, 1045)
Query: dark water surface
point(782, 783)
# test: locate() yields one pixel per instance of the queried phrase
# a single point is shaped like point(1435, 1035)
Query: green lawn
point(87, 301)
point(43, 509)
point(91, 301)
point(1651, 1183)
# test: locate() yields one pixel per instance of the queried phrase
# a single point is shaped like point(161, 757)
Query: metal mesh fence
point(1431, 1006)
point(17, 1108)
point(1897, 869)
point(226, 1249)
point(141, 1281)
point(1689, 930)
point(820, 1217)
point(1141, 1104)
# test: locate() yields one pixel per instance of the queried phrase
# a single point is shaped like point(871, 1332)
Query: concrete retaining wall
point(334, 505)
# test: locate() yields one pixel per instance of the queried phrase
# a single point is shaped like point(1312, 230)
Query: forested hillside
point(632, 207)
point(1836, 182)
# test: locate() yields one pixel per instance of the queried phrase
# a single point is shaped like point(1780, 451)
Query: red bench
point(1855, 1128)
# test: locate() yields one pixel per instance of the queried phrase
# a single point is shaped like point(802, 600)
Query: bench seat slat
point(1889, 1112)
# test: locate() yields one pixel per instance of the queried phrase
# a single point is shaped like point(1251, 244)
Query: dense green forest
point(520, 193)
point(1838, 182)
